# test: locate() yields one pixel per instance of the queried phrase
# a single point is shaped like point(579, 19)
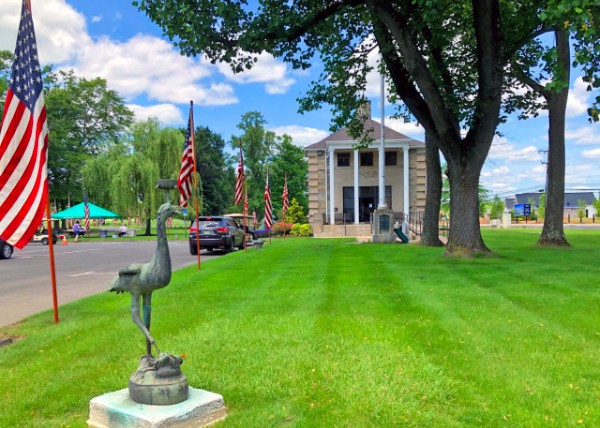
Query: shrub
point(261, 233)
point(301, 230)
point(278, 228)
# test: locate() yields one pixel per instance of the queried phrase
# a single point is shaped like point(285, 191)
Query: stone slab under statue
point(118, 410)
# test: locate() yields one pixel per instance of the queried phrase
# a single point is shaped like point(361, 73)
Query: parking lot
point(82, 269)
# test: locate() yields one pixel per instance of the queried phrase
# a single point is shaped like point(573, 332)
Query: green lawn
point(324, 333)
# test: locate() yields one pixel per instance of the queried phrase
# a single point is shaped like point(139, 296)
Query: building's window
point(343, 159)
point(391, 158)
point(366, 159)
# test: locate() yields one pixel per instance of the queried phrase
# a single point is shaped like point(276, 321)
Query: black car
point(6, 250)
point(216, 232)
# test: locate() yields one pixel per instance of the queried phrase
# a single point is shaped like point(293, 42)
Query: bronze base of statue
point(159, 381)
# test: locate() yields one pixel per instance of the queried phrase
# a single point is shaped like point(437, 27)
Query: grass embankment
point(324, 333)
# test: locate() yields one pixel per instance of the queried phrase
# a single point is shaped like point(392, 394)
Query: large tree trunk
point(431, 224)
point(464, 236)
point(553, 230)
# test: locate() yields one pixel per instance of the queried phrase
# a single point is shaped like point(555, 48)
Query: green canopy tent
point(77, 212)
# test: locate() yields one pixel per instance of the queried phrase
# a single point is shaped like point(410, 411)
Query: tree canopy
point(446, 61)
point(85, 118)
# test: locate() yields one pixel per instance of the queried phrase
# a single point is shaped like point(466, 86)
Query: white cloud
point(268, 70)
point(578, 101)
point(149, 65)
point(97, 18)
point(584, 135)
point(410, 129)
point(502, 149)
point(167, 114)
point(60, 30)
point(591, 154)
point(501, 170)
point(301, 136)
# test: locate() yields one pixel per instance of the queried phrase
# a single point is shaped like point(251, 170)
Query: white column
point(406, 188)
point(331, 187)
point(326, 159)
point(382, 203)
point(356, 184)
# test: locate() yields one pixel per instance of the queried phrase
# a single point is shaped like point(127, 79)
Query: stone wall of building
point(418, 180)
point(316, 186)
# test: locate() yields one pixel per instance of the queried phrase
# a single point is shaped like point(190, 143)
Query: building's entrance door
point(368, 197)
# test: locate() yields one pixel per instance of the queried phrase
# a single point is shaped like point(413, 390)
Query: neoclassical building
point(344, 183)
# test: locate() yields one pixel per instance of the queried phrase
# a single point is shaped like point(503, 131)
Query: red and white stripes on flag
point(184, 182)
point(170, 222)
point(86, 211)
point(239, 182)
point(23, 142)
point(254, 219)
point(268, 205)
point(284, 197)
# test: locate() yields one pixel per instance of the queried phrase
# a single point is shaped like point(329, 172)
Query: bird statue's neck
point(162, 257)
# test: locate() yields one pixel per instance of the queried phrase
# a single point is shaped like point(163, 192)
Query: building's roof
point(374, 128)
point(570, 201)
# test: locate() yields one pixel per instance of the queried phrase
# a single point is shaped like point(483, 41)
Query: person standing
point(76, 230)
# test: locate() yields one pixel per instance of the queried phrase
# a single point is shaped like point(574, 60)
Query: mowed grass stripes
point(309, 332)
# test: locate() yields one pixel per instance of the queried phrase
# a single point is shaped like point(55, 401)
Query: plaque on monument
point(384, 223)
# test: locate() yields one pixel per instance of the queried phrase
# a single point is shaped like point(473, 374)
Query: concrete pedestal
point(383, 220)
point(118, 410)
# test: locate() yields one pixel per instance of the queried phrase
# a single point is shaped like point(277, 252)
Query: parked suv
point(6, 250)
point(216, 232)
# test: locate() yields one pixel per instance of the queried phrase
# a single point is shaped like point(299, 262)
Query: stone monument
point(383, 225)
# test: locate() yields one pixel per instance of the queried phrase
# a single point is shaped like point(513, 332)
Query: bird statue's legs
point(147, 300)
point(135, 316)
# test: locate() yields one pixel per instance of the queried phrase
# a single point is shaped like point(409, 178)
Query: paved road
point(82, 269)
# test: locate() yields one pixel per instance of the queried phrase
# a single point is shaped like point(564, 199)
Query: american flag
point(245, 205)
point(23, 142)
point(187, 163)
point(254, 219)
point(86, 211)
point(286, 203)
point(239, 182)
point(170, 222)
point(268, 205)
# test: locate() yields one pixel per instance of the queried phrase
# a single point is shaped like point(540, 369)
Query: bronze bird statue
point(141, 279)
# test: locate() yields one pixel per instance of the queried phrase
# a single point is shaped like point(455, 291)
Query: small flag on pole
point(284, 197)
point(254, 219)
point(268, 204)
point(239, 182)
point(86, 210)
point(23, 142)
point(184, 182)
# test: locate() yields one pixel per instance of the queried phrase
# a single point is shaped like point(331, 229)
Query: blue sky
point(111, 39)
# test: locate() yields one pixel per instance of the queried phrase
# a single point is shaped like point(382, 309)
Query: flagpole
point(284, 208)
point(51, 252)
point(50, 235)
point(245, 220)
point(271, 204)
point(193, 138)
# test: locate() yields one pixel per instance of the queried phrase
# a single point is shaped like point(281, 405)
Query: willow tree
point(125, 177)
